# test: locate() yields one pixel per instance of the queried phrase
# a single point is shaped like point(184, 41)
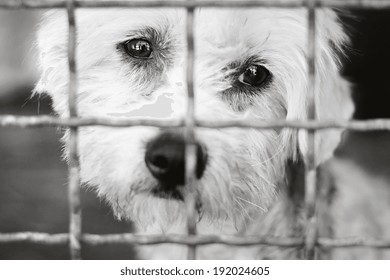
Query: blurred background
point(33, 193)
point(33, 179)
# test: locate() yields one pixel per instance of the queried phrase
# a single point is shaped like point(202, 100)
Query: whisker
point(253, 204)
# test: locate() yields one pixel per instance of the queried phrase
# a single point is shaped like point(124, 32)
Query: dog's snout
point(165, 158)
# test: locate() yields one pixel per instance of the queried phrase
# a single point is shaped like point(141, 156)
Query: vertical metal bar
point(310, 172)
point(190, 153)
point(74, 170)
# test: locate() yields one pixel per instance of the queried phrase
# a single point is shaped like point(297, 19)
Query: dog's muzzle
point(165, 159)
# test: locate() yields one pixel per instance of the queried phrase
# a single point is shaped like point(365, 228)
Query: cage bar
point(73, 161)
point(310, 161)
point(41, 121)
point(74, 238)
point(190, 149)
point(40, 4)
point(47, 239)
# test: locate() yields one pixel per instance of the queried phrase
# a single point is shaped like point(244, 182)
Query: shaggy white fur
point(244, 186)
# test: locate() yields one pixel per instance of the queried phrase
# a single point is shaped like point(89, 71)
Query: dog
point(250, 64)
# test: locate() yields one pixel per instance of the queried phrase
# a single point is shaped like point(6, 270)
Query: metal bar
point(134, 239)
point(199, 240)
point(190, 149)
point(75, 236)
point(73, 160)
point(42, 121)
point(46, 120)
point(35, 238)
point(310, 160)
point(194, 240)
point(40, 4)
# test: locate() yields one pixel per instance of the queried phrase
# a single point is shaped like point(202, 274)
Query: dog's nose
point(165, 158)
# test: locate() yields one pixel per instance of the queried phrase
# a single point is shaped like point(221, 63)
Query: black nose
point(165, 158)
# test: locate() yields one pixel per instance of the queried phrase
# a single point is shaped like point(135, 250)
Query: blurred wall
point(369, 61)
point(17, 54)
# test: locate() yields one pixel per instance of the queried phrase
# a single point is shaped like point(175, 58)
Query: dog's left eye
point(254, 75)
point(138, 48)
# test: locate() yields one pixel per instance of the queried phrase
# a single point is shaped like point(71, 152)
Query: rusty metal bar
point(42, 121)
point(190, 149)
point(73, 161)
point(310, 160)
point(40, 4)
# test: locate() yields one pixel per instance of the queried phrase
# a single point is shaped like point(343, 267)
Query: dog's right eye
point(138, 48)
point(254, 75)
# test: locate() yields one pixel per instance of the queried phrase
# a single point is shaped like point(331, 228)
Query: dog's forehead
point(251, 29)
point(218, 26)
point(247, 21)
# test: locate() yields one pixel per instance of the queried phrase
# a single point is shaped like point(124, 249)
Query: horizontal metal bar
point(133, 239)
point(40, 4)
point(351, 242)
point(40, 121)
point(128, 238)
point(35, 238)
point(192, 240)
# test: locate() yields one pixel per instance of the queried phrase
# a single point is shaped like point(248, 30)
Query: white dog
point(250, 64)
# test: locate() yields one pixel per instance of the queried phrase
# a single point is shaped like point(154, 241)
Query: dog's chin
point(167, 192)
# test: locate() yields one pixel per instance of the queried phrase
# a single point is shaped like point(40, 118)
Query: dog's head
point(249, 64)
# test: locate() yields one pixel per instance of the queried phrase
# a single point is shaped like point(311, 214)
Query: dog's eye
point(138, 48)
point(254, 75)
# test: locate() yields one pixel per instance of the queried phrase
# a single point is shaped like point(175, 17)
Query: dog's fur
point(251, 184)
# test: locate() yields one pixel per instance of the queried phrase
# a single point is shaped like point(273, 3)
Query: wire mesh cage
point(310, 241)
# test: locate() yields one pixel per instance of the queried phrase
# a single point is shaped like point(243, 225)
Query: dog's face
point(249, 64)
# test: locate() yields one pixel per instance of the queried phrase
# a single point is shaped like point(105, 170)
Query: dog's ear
point(333, 100)
point(52, 58)
point(333, 93)
point(333, 103)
